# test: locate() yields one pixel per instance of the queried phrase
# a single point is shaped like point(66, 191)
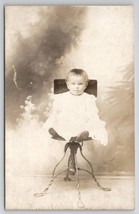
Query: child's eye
point(80, 83)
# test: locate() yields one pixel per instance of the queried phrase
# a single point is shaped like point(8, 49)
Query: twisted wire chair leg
point(67, 174)
point(48, 186)
point(79, 203)
point(93, 175)
point(58, 163)
point(52, 179)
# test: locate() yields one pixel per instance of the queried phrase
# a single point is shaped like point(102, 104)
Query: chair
point(60, 87)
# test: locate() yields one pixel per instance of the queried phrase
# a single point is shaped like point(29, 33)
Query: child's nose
point(76, 86)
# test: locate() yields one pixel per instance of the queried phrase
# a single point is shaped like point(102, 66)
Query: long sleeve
point(54, 112)
point(98, 130)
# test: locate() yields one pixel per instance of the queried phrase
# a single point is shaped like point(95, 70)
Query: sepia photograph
point(69, 107)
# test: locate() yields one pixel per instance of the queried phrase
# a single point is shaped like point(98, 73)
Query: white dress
point(72, 115)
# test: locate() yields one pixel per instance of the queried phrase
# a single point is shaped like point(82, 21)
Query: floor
point(65, 195)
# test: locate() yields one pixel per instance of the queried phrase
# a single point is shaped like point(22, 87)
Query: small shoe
point(58, 138)
point(83, 136)
point(52, 132)
point(55, 135)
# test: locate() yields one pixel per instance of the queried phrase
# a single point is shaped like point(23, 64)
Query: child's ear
point(87, 83)
point(66, 83)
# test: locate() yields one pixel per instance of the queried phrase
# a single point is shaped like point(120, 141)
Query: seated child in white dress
point(74, 115)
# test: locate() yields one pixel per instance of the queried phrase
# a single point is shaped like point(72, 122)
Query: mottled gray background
point(85, 2)
point(43, 44)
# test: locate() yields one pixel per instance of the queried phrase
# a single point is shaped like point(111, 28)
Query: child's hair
point(77, 72)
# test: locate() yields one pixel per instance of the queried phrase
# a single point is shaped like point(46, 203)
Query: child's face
point(76, 84)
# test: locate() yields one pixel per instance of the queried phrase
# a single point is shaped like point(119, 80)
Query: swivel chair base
point(73, 146)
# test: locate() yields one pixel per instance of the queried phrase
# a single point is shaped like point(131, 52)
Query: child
point(74, 115)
